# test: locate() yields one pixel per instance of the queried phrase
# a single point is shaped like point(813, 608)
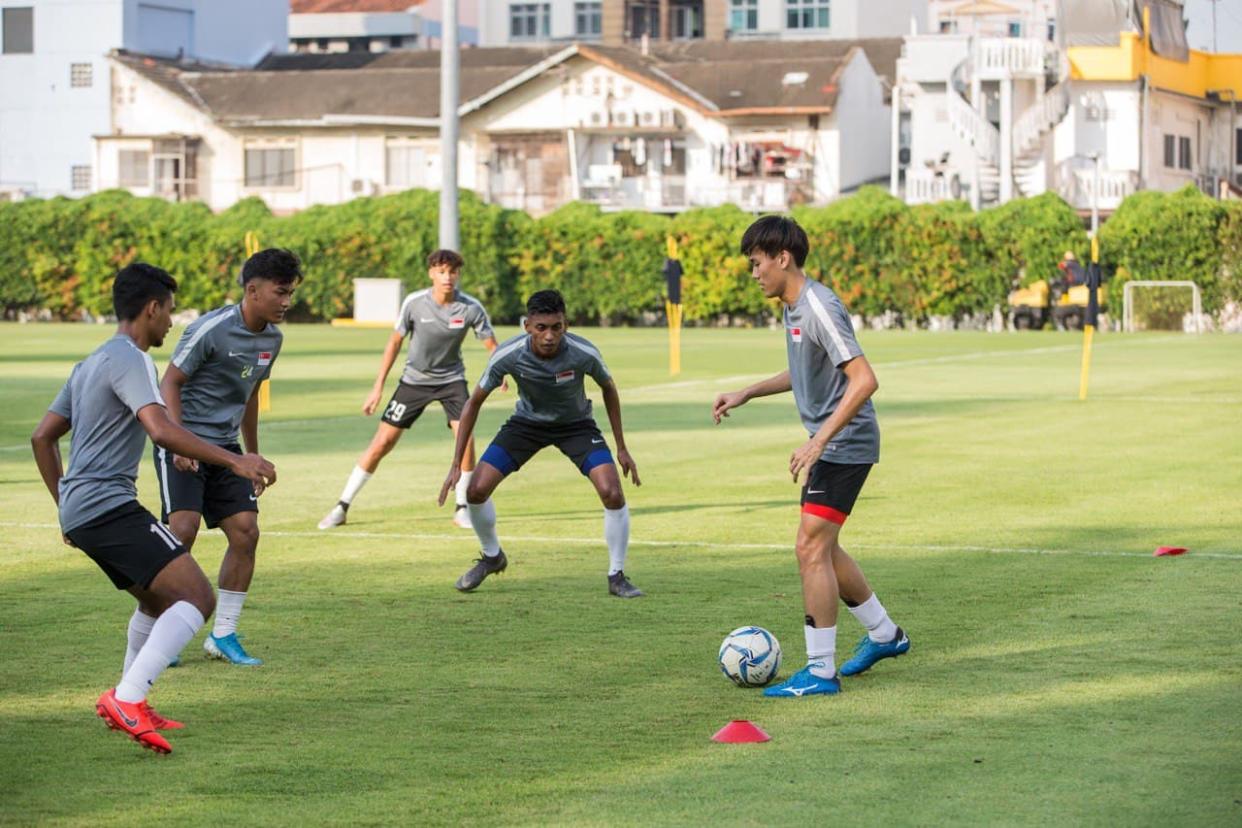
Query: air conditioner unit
point(648, 118)
point(623, 118)
point(597, 118)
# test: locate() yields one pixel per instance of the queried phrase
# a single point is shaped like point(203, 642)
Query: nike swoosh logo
point(815, 491)
point(593, 440)
point(128, 721)
point(426, 320)
point(253, 497)
point(236, 353)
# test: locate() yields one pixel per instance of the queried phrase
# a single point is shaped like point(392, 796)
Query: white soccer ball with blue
point(750, 656)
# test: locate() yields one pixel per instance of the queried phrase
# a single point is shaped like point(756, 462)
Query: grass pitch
point(1058, 672)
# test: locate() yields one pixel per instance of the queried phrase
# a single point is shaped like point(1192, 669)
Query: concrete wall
point(864, 123)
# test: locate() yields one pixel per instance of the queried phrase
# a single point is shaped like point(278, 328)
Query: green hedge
point(879, 254)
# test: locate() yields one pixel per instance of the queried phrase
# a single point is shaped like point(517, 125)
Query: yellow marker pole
point(265, 388)
point(1088, 333)
point(673, 313)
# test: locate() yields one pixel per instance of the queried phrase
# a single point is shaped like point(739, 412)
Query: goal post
point(1127, 300)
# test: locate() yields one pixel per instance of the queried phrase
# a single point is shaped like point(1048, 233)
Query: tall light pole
point(450, 64)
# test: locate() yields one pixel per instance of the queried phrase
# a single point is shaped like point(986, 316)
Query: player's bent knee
point(612, 497)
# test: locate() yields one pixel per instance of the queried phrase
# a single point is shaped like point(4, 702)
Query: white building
point(613, 22)
point(374, 25)
point(55, 89)
point(763, 125)
point(1094, 107)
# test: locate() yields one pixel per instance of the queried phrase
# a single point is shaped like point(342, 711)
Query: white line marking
point(912, 547)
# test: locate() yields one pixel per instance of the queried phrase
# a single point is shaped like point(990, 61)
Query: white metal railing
point(1008, 56)
point(1077, 187)
point(972, 127)
point(1039, 117)
point(928, 186)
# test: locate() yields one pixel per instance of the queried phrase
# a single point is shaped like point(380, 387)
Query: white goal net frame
point(1127, 300)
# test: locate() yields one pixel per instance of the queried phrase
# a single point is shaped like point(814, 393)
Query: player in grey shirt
point(832, 384)
point(436, 319)
point(212, 387)
point(550, 366)
point(111, 403)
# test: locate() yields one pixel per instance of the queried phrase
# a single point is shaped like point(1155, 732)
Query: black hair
point(445, 257)
point(545, 301)
point(772, 234)
point(135, 285)
point(278, 265)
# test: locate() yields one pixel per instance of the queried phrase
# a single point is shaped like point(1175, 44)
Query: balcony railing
point(929, 186)
point(1007, 57)
point(1077, 187)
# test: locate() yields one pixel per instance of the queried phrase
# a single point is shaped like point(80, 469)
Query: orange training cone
point(1169, 550)
point(740, 730)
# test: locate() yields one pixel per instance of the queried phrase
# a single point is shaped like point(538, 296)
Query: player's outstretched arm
point(167, 434)
point(860, 385)
point(170, 390)
point(726, 402)
point(465, 428)
point(390, 356)
point(45, 441)
point(612, 404)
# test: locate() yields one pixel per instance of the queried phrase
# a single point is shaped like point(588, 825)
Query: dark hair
point(445, 257)
point(772, 234)
point(275, 264)
point(136, 285)
point(545, 301)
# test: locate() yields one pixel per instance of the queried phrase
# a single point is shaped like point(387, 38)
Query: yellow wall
point(1201, 73)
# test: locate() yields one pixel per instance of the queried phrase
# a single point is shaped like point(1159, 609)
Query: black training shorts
point(832, 488)
point(129, 544)
point(409, 401)
point(519, 440)
point(215, 492)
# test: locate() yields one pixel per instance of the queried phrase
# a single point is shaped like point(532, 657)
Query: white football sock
point(462, 484)
point(172, 631)
point(140, 625)
point(821, 650)
point(483, 519)
point(617, 536)
point(871, 614)
point(357, 479)
point(228, 610)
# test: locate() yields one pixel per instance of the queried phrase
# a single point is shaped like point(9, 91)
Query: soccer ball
point(750, 656)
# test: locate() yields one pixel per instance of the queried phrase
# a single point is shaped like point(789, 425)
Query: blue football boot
point(868, 652)
point(805, 683)
point(230, 649)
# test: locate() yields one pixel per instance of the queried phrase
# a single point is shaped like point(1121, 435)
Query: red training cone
point(740, 730)
point(1169, 550)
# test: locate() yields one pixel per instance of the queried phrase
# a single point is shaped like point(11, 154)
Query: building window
point(686, 19)
point(81, 75)
point(134, 168)
point(529, 21)
point(1183, 153)
point(806, 14)
point(1015, 28)
point(18, 24)
point(80, 177)
point(744, 15)
point(270, 167)
point(588, 19)
point(643, 17)
point(1052, 31)
point(1237, 143)
point(405, 166)
point(948, 26)
point(1170, 150)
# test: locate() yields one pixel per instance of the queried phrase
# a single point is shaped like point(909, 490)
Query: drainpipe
point(895, 149)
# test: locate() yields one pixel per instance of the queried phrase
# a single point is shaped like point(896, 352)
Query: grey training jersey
point(101, 400)
point(224, 361)
point(549, 390)
point(819, 339)
point(436, 332)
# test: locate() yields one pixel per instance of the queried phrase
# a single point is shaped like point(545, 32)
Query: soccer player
point(436, 320)
point(832, 383)
point(112, 402)
point(212, 387)
point(550, 366)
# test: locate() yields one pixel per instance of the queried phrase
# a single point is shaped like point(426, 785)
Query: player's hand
point(725, 402)
point(628, 467)
point(259, 489)
point(450, 483)
point(184, 464)
point(805, 456)
point(373, 400)
point(256, 469)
